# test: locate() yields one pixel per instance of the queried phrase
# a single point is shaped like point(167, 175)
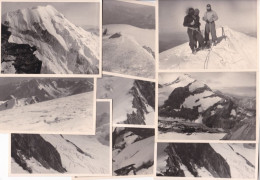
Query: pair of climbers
point(192, 21)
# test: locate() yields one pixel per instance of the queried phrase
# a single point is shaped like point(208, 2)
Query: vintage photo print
point(129, 37)
point(133, 100)
point(51, 38)
point(42, 154)
point(133, 151)
point(206, 160)
point(207, 106)
point(205, 34)
point(47, 105)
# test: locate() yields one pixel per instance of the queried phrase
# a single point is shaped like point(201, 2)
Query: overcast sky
point(235, 82)
point(79, 13)
point(240, 15)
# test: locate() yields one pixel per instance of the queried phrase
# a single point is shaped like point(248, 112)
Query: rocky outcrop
point(148, 49)
point(195, 156)
point(143, 95)
point(28, 146)
point(18, 58)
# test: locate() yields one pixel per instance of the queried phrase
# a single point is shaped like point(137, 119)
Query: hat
point(208, 5)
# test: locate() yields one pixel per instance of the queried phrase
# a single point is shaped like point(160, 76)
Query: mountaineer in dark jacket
point(197, 33)
point(189, 22)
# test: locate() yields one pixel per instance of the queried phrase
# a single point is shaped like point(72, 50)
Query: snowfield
point(237, 51)
point(62, 115)
point(61, 46)
point(203, 100)
point(131, 53)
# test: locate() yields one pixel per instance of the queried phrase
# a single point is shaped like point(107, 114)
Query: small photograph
point(206, 160)
point(50, 38)
point(207, 106)
point(49, 105)
point(41, 154)
point(129, 37)
point(133, 151)
point(205, 34)
point(133, 100)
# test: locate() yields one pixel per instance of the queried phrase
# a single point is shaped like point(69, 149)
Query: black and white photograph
point(207, 106)
point(43, 154)
point(129, 37)
point(133, 100)
point(206, 34)
point(206, 160)
point(133, 151)
point(49, 105)
point(51, 38)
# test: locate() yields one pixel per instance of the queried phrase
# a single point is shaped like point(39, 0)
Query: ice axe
point(223, 33)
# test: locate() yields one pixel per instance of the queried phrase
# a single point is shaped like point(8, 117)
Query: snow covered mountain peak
point(181, 80)
point(234, 50)
point(63, 47)
point(24, 18)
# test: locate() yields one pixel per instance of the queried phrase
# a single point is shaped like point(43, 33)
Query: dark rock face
point(176, 98)
point(143, 93)
point(26, 146)
point(142, 133)
point(116, 35)
point(195, 156)
point(18, 55)
point(149, 50)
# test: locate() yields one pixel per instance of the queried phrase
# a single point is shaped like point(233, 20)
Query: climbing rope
point(206, 62)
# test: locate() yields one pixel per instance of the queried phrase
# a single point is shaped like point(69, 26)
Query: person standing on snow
point(197, 33)
point(189, 22)
point(210, 17)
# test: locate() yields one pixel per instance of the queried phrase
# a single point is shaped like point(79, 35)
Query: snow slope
point(132, 53)
point(133, 154)
point(63, 47)
point(118, 89)
point(69, 114)
point(77, 163)
point(238, 166)
point(144, 37)
point(237, 51)
point(79, 155)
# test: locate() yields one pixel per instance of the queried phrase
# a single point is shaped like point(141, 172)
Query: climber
point(189, 22)
point(210, 17)
point(197, 36)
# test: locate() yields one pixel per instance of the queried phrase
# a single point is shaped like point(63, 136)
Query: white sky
point(216, 80)
point(79, 13)
point(241, 15)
